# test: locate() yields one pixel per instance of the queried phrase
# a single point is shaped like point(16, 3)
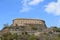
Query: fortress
point(22, 21)
point(30, 26)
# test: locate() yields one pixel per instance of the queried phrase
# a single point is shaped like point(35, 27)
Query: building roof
point(28, 19)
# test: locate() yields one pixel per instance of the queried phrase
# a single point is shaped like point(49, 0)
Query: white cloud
point(27, 3)
point(24, 6)
point(25, 9)
point(53, 7)
point(35, 2)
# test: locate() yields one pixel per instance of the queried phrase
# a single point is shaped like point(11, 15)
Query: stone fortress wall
point(21, 21)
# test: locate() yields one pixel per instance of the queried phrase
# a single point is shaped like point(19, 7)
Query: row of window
point(28, 21)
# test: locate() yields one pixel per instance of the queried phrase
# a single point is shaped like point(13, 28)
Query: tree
point(5, 26)
point(15, 36)
point(33, 37)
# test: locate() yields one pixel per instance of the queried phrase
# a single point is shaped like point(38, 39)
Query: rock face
point(31, 26)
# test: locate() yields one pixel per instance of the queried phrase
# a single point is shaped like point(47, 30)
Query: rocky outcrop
point(26, 25)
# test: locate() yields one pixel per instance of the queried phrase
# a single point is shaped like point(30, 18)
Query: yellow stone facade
point(21, 22)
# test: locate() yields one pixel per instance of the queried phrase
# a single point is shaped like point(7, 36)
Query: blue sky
point(48, 10)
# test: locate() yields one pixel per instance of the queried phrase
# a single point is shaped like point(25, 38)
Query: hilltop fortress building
point(30, 26)
point(29, 22)
point(22, 22)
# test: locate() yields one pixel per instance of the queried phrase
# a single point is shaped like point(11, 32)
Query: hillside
point(29, 29)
